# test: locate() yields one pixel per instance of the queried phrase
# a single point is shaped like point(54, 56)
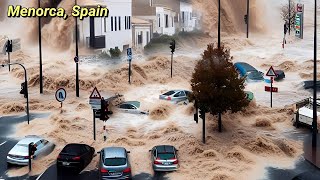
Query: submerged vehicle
point(249, 72)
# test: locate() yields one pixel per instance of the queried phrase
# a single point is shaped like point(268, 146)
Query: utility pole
point(77, 55)
point(248, 5)
point(314, 122)
point(289, 16)
point(219, 25)
point(40, 52)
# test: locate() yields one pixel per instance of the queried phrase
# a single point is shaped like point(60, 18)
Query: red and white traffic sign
point(271, 72)
point(95, 99)
point(95, 94)
point(268, 89)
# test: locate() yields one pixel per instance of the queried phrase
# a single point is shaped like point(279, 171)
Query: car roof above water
point(114, 152)
point(246, 66)
point(165, 149)
point(29, 140)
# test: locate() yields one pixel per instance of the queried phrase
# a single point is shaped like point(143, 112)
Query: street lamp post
point(219, 25)
point(40, 52)
point(314, 122)
point(77, 55)
point(26, 85)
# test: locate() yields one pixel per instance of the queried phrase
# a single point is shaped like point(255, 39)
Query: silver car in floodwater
point(114, 163)
point(164, 158)
point(19, 154)
point(176, 96)
point(132, 107)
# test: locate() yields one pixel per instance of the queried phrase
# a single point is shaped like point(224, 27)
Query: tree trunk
point(219, 122)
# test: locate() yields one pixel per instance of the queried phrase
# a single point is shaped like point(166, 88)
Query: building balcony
point(98, 42)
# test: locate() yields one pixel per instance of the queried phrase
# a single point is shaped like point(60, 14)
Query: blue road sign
point(129, 54)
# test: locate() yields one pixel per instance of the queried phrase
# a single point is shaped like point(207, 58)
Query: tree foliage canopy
point(216, 84)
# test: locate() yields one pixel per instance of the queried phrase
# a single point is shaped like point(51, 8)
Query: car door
point(132, 109)
point(180, 96)
point(124, 107)
point(39, 149)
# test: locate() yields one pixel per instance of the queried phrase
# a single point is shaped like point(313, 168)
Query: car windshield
point(169, 93)
point(165, 156)
point(72, 149)
point(114, 161)
point(255, 75)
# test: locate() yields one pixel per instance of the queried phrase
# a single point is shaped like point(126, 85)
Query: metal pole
point(9, 60)
point(171, 65)
point(271, 91)
point(29, 154)
point(204, 128)
point(129, 71)
point(314, 122)
point(248, 5)
point(219, 26)
point(77, 55)
point(94, 124)
point(40, 52)
point(289, 17)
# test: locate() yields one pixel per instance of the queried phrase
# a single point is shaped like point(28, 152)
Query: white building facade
point(164, 21)
point(108, 32)
point(141, 30)
point(187, 18)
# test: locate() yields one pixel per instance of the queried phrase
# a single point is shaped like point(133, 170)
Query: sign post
point(129, 54)
point(61, 95)
point(95, 102)
point(272, 74)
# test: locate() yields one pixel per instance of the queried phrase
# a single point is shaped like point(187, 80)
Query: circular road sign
point(61, 94)
point(76, 59)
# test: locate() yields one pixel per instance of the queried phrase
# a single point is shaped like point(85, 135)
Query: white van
point(304, 116)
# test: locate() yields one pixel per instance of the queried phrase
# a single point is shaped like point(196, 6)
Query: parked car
point(114, 163)
point(280, 75)
point(308, 175)
point(309, 85)
point(19, 154)
point(75, 157)
point(131, 107)
point(164, 158)
point(176, 96)
point(249, 72)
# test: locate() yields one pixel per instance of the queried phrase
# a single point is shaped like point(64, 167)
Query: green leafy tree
point(216, 85)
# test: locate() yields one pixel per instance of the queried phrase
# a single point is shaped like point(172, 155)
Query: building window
point(172, 20)
point(119, 23)
point(115, 23)
point(159, 20)
point(129, 27)
point(190, 16)
point(111, 23)
point(167, 21)
point(140, 38)
point(148, 39)
point(182, 16)
point(125, 22)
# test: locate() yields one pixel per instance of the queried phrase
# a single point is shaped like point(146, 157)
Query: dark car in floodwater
point(75, 157)
point(310, 85)
point(249, 72)
point(280, 75)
